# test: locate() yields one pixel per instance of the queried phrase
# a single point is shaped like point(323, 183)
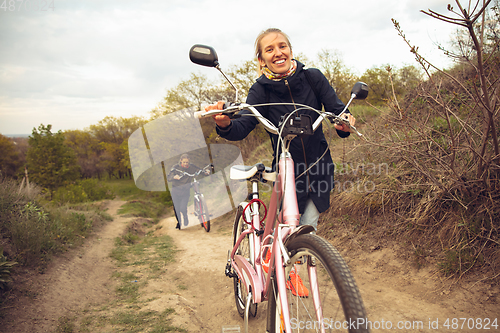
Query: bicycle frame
point(196, 187)
point(282, 220)
point(283, 225)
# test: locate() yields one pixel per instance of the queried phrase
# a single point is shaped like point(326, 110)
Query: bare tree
point(443, 135)
point(487, 96)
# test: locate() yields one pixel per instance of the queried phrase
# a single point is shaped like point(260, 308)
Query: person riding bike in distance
point(181, 187)
point(284, 79)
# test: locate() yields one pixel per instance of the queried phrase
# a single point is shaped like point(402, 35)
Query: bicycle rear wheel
point(243, 250)
point(322, 268)
point(202, 211)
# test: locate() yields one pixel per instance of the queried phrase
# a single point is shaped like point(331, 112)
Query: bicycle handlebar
point(197, 172)
point(270, 127)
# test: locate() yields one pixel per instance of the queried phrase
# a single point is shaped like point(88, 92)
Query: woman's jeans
point(310, 215)
point(180, 198)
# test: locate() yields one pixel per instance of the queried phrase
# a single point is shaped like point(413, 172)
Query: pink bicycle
point(308, 285)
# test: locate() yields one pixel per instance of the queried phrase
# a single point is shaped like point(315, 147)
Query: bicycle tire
point(341, 303)
point(240, 296)
point(201, 211)
point(204, 215)
point(196, 205)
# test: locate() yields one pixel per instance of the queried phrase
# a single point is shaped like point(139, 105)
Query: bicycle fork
point(313, 282)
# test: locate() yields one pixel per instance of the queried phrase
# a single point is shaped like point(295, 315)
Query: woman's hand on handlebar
point(221, 120)
point(343, 127)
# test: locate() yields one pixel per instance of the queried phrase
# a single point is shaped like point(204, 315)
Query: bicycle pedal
point(228, 272)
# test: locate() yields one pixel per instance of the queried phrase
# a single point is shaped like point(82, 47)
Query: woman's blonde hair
point(258, 40)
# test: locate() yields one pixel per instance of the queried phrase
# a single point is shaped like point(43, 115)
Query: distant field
point(16, 135)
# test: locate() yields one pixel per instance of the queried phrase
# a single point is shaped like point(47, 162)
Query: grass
point(128, 290)
point(65, 325)
point(126, 190)
point(124, 320)
point(143, 208)
point(457, 261)
point(364, 114)
point(150, 252)
point(85, 190)
point(140, 203)
point(5, 270)
point(135, 321)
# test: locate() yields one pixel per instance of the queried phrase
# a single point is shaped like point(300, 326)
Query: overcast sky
point(78, 61)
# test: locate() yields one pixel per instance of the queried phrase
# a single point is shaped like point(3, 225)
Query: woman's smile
point(276, 54)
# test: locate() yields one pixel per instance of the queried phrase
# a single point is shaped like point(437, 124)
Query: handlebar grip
point(200, 114)
point(203, 114)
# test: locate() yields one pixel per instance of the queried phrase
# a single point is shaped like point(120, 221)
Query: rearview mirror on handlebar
point(204, 55)
point(360, 90)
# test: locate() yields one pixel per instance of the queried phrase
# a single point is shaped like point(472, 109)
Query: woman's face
point(275, 53)
point(185, 163)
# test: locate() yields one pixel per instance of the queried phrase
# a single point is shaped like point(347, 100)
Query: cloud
point(99, 58)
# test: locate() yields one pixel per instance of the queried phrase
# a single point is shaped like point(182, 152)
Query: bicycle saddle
point(241, 172)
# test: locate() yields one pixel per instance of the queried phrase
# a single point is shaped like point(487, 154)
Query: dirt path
point(207, 303)
point(203, 300)
point(82, 276)
point(394, 292)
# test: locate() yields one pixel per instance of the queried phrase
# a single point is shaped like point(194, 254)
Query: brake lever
point(202, 114)
point(342, 121)
point(233, 115)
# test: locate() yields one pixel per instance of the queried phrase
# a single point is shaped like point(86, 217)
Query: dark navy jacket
point(185, 179)
point(319, 181)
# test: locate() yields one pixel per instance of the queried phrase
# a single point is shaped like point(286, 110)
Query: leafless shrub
point(442, 141)
point(447, 132)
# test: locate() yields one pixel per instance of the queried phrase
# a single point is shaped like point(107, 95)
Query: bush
point(83, 191)
point(70, 194)
point(96, 190)
point(5, 267)
point(31, 231)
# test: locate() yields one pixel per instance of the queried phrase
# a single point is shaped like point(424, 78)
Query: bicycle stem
point(231, 83)
point(353, 96)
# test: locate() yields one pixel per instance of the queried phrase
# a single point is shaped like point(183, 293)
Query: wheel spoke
point(243, 250)
point(313, 299)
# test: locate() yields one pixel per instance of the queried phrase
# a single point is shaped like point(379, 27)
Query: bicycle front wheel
point(321, 292)
point(245, 250)
point(204, 216)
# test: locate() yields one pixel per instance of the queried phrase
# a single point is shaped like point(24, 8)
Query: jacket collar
point(265, 81)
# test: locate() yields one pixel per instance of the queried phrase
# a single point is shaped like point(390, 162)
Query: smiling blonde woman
point(286, 80)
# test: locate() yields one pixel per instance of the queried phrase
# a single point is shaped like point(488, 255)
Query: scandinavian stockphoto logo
point(358, 324)
point(157, 147)
point(348, 177)
point(358, 176)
